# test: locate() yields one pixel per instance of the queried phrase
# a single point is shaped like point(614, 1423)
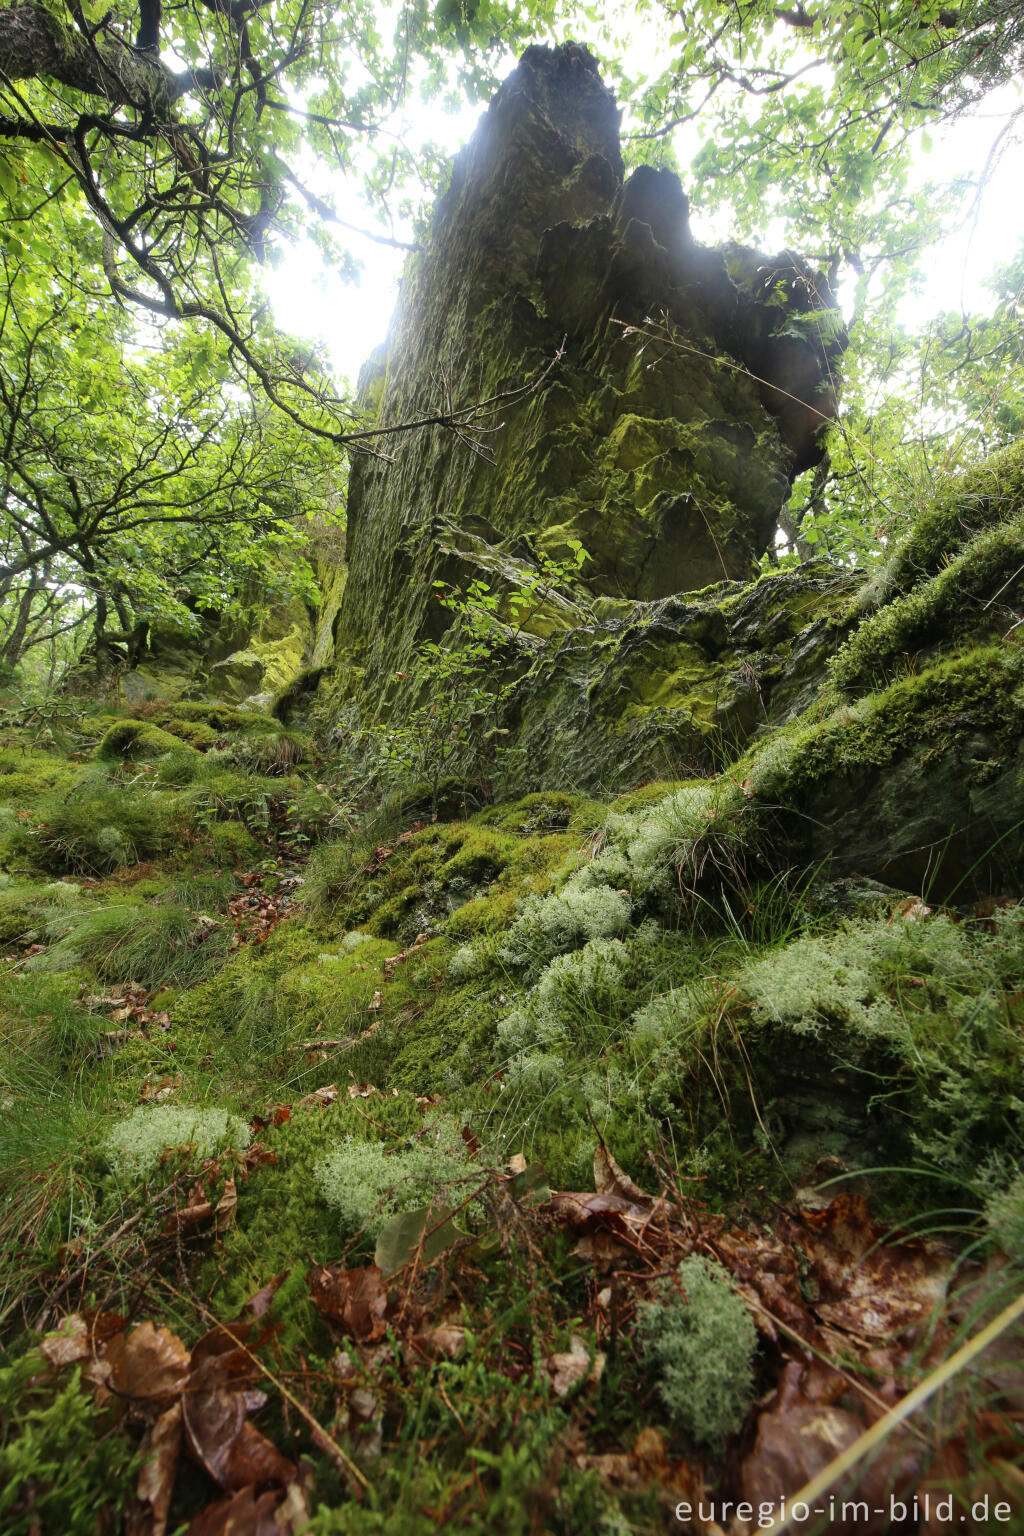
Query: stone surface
point(252, 660)
point(669, 459)
point(875, 730)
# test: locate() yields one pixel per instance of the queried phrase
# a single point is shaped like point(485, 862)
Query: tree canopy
point(157, 158)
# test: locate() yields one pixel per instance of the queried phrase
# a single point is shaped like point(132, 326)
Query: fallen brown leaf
point(161, 1449)
point(147, 1365)
point(248, 1513)
point(69, 1343)
point(799, 1439)
point(573, 1366)
point(355, 1298)
point(217, 1431)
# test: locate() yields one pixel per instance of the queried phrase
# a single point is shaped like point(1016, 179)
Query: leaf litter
point(850, 1318)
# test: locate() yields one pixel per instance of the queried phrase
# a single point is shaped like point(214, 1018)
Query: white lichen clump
point(367, 1183)
point(568, 919)
point(700, 1340)
point(135, 1147)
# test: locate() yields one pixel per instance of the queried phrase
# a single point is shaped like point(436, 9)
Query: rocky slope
point(530, 1150)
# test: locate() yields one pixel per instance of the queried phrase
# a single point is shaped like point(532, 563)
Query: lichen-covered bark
point(35, 44)
point(668, 460)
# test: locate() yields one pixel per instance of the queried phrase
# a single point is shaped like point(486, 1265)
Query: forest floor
point(556, 1165)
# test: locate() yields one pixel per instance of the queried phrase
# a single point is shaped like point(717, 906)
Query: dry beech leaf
point(320, 1097)
point(259, 1303)
point(218, 1432)
point(69, 1343)
point(447, 1339)
point(249, 1513)
point(148, 1365)
point(800, 1439)
point(224, 1210)
point(355, 1298)
point(161, 1448)
point(602, 1249)
point(911, 909)
point(613, 1223)
point(644, 1467)
point(870, 1289)
point(609, 1178)
point(568, 1369)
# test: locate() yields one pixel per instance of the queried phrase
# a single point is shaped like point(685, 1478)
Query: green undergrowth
point(964, 505)
point(975, 593)
point(228, 984)
point(152, 946)
point(543, 969)
point(62, 1466)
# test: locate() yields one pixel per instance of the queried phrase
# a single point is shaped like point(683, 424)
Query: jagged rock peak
point(669, 460)
point(564, 86)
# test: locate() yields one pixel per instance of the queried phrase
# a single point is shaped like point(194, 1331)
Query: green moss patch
point(136, 739)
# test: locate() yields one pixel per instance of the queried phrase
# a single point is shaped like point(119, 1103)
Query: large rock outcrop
point(879, 733)
point(669, 459)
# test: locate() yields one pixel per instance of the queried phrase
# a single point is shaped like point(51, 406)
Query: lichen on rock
point(650, 399)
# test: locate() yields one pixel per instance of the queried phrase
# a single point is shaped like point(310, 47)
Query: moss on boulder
point(138, 739)
point(669, 461)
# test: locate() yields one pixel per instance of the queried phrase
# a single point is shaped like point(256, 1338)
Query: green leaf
point(427, 1232)
point(532, 1181)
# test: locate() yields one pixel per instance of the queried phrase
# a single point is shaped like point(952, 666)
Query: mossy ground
point(675, 971)
point(396, 967)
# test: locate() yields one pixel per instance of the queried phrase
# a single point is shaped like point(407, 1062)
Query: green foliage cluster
point(100, 825)
point(104, 820)
point(137, 739)
point(463, 682)
point(650, 969)
point(943, 707)
point(131, 944)
point(62, 1467)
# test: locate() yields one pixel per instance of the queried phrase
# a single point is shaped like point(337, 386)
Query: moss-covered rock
point(668, 461)
point(137, 739)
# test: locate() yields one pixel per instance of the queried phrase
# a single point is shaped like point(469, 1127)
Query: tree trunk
point(35, 44)
point(13, 645)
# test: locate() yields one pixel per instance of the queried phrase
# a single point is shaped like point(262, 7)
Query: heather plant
point(60, 1467)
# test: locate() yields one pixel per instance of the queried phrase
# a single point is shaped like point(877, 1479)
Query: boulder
point(606, 381)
